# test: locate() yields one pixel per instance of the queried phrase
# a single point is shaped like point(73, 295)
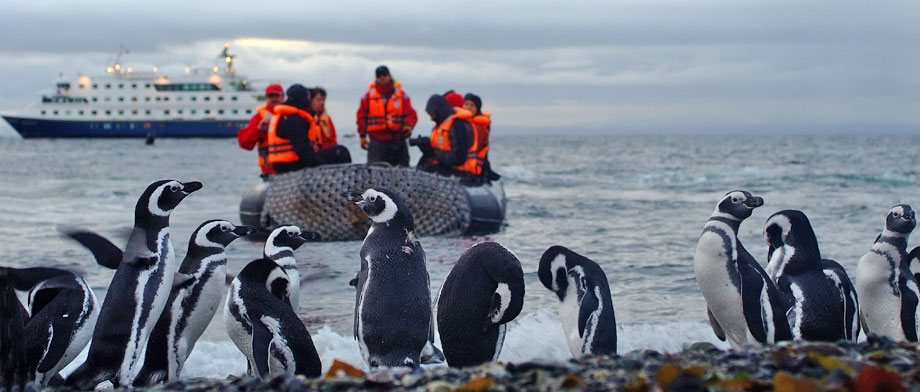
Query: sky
point(661, 66)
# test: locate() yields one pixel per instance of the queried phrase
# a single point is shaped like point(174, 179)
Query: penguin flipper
point(182, 281)
point(60, 339)
point(106, 253)
point(909, 303)
point(360, 280)
point(261, 348)
point(587, 311)
point(720, 333)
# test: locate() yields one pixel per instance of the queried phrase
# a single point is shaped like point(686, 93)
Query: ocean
point(633, 204)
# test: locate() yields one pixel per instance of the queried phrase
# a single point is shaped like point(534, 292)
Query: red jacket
point(250, 136)
point(411, 118)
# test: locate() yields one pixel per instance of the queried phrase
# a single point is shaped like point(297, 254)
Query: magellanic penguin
point(192, 305)
point(585, 309)
point(743, 303)
point(270, 335)
point(280, 247)
point(888, 290)
point(138, 291)
point(482, 293)
point(62, 312)
point(393, 301)
point(13, 366)
point(824, 305)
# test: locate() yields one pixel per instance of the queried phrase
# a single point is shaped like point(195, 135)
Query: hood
point(298, 96)
point(438, 108)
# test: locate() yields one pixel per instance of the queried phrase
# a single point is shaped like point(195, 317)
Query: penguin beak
point(355, 197)
point(189, 187)
point(242, 231)
point(753, 202)
point(310, 236)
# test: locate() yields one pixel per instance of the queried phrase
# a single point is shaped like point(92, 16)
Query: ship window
point(166, 112)
point(44, 112)
point(93, 112)
point(82, 86)
point(206, 111)
point(80, 112)
point(121, 85)
point(147, 112)
point(233, 98)
point(147, 99)
point(134, 112)
point(121, 112)
point(193, 111)
point(158, 99)
point(221, 98)
point(179, 111)
point(207, 98)
point(133, 85)
point(108, 112)
point(55, 112)
point(95, 85)
point(147, 85)
point(221, 111)
point(133, 99)
point(107, 85)
point(235, 111)
point(165, 99)
point(248, 111)
point(194, 99)
point(121, 99)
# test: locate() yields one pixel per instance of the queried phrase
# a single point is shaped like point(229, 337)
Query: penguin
point(823, 301)
point(13, 365)
point(190, 307)
point(393, 301)
point(585, 308)
point(139, 289)
point(742, 301)
point(482, 293)
point(61, 311)
point(887, 288)
point(274, 340)
point(280, 247)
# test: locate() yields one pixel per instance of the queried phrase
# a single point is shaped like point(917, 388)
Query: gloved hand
point(424, 145)
point(363, 141)
point(407, 131)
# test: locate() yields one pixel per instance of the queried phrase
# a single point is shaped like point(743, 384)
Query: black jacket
point(461, 134)
point(296, 129)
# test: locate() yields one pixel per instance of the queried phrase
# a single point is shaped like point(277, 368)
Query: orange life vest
point(385, 114)
point(279, 148)
point(440, 140)
point(326, 132)
point(263, 149)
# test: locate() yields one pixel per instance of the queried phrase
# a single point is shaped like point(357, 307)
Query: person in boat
point(256, 132)
point(454, 98)
point(448, 150)
point(481, 122)
point(385, 120)
point(290, 146)
point(326, 137)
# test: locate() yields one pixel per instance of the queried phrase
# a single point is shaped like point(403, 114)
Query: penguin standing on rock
point(192, 305)
point(888, 290)
point(138, 291)
point(62, 312)
point(393, 301)
point(586, 309)
point(481, 294)
point(743, 303)
point(823, 300)
point(273, 339)
point(280, 247)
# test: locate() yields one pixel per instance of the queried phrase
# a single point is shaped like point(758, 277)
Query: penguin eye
point(897, 215)
point(173, 188)
point(224, 228)
point(373, 199)
point(734, 200)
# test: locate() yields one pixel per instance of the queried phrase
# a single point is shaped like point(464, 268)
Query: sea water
point(634, 204)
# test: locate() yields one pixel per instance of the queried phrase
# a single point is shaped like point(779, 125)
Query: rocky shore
point(873, 365)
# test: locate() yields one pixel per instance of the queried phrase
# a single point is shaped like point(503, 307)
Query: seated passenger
point(446, 151)
point(289, 144)
point(322, 134)
point(482, 127)
point(453, 98)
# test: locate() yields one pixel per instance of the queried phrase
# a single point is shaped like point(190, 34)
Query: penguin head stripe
point(153, 203)
point(737, 205)
point(901, 220)
point(161, 197)
point(374, 198)
point(283, 238)
point(202, 235)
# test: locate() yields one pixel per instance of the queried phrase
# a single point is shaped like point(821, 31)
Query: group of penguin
point(155, 310)
point(800, 295)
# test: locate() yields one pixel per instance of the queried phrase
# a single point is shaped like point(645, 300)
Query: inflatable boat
point(313, 200)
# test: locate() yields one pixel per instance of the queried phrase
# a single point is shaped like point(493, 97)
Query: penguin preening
point(138, 291)
point(888, 289)
point(268, 332)
point(823, 301)
point(586, 308)
point(393, 303)
point(482, 293)
point(280, 247)
point(62, 311)
point(742, 301)
point(191, 305)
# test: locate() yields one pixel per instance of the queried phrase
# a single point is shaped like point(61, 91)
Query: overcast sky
point(614, 66)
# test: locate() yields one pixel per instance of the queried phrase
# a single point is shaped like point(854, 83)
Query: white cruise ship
point(203, 102)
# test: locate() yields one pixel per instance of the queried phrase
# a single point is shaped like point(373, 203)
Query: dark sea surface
point(634, 204)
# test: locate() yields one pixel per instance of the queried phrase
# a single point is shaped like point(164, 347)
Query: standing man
point(386, 116)
point(256, 132)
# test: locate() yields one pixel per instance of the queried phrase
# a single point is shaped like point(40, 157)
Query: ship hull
point(42, 128)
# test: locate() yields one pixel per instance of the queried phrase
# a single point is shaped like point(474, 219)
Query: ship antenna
point(228, 59)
